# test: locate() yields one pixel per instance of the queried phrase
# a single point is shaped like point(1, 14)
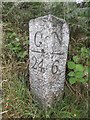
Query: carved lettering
point(35, 38)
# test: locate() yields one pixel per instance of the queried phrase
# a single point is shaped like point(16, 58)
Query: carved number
point(36, 64)
point(40, 65)
point(34, 59)
point(55, 67)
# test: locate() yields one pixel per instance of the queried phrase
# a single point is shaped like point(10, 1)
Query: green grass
point(18, 102)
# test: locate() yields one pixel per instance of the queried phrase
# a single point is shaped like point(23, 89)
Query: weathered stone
point(49, 38)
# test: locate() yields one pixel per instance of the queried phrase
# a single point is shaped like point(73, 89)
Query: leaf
point(75, 59)
point(82, 80)
point(24, 54)
point(72, 80)
point(79, 74)
point(71, 65)
point(83, 49)
point(71, 73)
point(87, 79)
point(79, 67)
point(13, 35)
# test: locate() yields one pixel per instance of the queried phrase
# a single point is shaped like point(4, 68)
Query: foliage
point(18, 101)
point(16, 47)
point(78, 68)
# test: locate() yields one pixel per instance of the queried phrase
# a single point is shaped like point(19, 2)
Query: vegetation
point(78, 71)
point(17, 100)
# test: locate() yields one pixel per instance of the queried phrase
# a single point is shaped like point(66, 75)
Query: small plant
point(78, 72)
point(17, 45)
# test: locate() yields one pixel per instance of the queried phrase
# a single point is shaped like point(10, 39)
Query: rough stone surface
point(49, 38)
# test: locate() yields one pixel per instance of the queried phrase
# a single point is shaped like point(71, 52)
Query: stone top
point(50, 18)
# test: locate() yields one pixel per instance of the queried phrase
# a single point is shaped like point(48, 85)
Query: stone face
point(49, 38)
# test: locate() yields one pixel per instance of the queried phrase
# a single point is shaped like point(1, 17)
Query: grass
point(19, 103)
point(17, 100)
